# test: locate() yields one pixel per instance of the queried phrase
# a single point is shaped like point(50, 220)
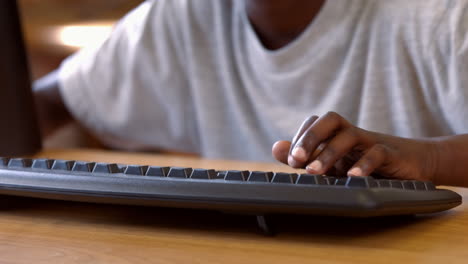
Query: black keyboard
point(255, 192)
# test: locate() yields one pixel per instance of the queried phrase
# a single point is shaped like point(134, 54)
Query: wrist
point(436, 161)
point(446, 159)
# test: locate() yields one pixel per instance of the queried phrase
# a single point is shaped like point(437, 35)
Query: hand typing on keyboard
point(332, 145)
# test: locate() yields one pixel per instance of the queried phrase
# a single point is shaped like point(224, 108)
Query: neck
point(278, 22)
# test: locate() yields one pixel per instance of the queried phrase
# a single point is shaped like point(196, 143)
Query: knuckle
point(310, 137)
point(333, 116)
point(380, 149)
point(353, 133)
point(337, 119)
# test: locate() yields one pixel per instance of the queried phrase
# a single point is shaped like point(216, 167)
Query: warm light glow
point(85, 35)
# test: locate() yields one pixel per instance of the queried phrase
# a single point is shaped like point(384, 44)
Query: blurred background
point(54, 29)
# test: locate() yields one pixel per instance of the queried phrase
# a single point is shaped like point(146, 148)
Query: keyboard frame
point(244, 197)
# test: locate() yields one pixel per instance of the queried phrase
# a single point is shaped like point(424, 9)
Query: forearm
point(50, 107)
point(452, 165)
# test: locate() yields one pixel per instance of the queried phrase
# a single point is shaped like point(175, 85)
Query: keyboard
point(250, 192)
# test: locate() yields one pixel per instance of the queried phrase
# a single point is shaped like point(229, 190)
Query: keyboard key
point(341, 181)
point(44, 164)
point(221, 175)
point(203, 174)
point(176, 172)
point(157, 171)
point(353, 181)
point(4, 162)
point(260, 176)
point(330, 180)
point(372, 183)
point(420, 186)
point(311, 179)
point(106, 168)
point(83, 166)
point(281, 177)
point(408, 185)
point(136, 170)
point(363, 182)
point(429, 186)
point(20, 163)
point(384, 183)
point(235, 175)
point(63, 165)
point(396, 184)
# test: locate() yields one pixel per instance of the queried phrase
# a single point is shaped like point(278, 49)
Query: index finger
point(319, 132)
point(302, 129)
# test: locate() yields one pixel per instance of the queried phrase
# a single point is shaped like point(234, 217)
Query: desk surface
point(39, 231)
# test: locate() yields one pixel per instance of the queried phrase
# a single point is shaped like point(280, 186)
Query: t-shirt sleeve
point(132, 91)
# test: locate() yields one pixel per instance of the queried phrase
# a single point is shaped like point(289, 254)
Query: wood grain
point(39, 231)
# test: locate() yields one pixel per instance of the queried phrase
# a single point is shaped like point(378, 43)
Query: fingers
point(374, 158)
point(337, 148)
point(322, 142)
point(280, 151)
point(321, 130)
point(304, 126)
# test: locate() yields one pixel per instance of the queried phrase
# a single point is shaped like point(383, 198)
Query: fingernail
point(316, 166)
point(291, 161)
point(355, 172)
point(299, 153)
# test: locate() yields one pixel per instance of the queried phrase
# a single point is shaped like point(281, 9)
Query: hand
point(331, 145)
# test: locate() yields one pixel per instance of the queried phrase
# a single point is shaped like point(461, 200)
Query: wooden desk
point(38, 231)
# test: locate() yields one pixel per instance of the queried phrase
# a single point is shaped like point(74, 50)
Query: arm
point(453, 160)
point(51, 110)
point(332, 145)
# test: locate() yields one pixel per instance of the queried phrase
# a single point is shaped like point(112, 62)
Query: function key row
point(232, 175)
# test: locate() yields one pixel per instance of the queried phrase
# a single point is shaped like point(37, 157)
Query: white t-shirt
point(193, 76)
